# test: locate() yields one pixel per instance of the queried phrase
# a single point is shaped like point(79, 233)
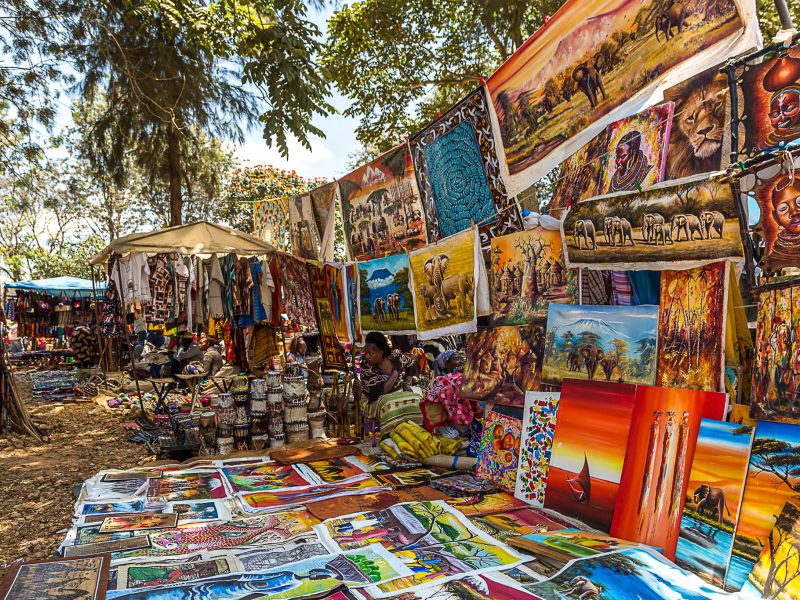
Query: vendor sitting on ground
point(382, 370)
point(212, 355)
point(188, 351)
point(297, 352)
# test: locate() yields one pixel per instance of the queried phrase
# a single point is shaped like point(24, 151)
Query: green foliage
point(401, 280)
point(768, 19)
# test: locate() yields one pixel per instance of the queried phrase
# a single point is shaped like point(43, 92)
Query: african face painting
point(587, 61)
point(381, 207)
point(684, 224)
point(528, 273)
point(691, 322)
point(306, 241)
point(503, 363)
point(385, 300)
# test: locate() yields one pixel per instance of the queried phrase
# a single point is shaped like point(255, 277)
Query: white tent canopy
point(201, 238)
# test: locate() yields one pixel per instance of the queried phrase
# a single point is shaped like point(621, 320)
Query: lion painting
point(698, 125)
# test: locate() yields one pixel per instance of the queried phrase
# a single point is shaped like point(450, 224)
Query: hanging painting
point(332, 353)
point(635, 150)
point(699, 138)
point(384, 294)
point(323, 204)
point(381, 207)
point(661, 442)
point(588, 450)
point(776, 381)
point(538, 427)
point(459, 174)
point(528, 273)
point(777, 572)
point(503, 363)
point(335, 284)
point(595, 60)
point(306, 241)
point(499, 453)
point(445, 279)
point(580, 176)
point(84, 577)
point(691, 325)
point(772, 481)
point(271, 222)
point(298, 299)
point(611, 343)
point(686, 225)
point(713, 496)
point(352, 279)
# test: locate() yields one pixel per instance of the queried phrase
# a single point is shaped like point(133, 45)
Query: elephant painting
point(662, 234)
point(711, 499)
point(648, 221)
point(608, 367)
point(591, 359)
point(581, 588)
point(574, 362)
point(461, 289)
point(589, 81)
point(393, 306)
point(379, 309)
point(607, 226)
point(674, 16)
point(584, 231)
point(712, 220)
point(435, 268)
point(688, 225)
point(621, 227)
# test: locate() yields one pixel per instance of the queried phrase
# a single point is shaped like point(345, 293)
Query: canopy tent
point(201, 237)
point(72, 286)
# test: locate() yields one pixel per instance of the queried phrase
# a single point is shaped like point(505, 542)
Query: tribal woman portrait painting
point(779, 200)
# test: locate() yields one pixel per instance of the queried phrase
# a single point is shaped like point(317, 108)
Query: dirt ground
point(37, 479)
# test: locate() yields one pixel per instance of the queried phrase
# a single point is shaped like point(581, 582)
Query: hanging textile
point(335, 284)
point(303, 232)
point(271, 222)
point(323, 202)
point(353, 302)
point(384, 283)
point(332, 355)
point(298, 298)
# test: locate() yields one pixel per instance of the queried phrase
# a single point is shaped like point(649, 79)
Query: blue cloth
point(646, 286)
point(458, 180)
point(54, 285)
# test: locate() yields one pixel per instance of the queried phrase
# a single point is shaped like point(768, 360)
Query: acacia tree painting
point(777, 573)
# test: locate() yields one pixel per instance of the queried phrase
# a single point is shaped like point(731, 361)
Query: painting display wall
point(611, 343)
point(384, 295)
point(499, 453)
point(691, 325)
point(686, 225)
point(536, 443)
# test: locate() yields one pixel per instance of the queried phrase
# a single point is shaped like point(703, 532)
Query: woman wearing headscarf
point(446, 391)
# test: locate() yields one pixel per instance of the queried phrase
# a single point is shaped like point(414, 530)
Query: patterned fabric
point(622, 290)
point(595, 287)
point(393, 409)
point(446, 390)
point(161, 290)
point(298, 299)
point(271, 222)
point(373, 379)
point(459, 174)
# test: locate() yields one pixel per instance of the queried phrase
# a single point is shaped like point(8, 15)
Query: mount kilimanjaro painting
point(607, 343)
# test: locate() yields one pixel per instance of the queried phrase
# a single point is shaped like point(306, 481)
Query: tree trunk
point(174, 169)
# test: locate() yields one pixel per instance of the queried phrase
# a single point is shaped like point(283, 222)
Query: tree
point(778, 458)
point(782, 570)
point(768, 19)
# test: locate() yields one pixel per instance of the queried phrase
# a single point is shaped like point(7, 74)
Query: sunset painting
point(594, 420)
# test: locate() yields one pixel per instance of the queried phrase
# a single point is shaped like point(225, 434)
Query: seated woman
point(297, 353)
point(445, 392)
point(383, 371)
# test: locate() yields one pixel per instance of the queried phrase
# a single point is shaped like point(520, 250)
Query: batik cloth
point(161, 291)
point(271, 222)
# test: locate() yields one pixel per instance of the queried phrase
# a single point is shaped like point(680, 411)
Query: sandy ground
point(37, 479)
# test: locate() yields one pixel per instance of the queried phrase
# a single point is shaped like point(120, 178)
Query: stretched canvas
point(303, 232)
point(353, 302)
point(538, 427)
point(528, 274)
point(594, 419)
point(499, 453)
point(611, 343)
point(595, 60)
point(777, 572)
point(684, 225)
point(776, 381)
point(772, 481)
point(712, 500)
point(335, 284)
point(381, 207)
point(298, 299)
point(84, 577)
point(459, 174)
point(661, 442)
point(503, 363)
point(332, 353)
point(271, 222)
point(445, 277)
point(635, 152)
point(691, 325)
point(580, 176)
point(383, 282)
point(259, 477)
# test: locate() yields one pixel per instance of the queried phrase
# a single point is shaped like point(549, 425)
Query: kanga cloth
point(393, 409)
point(446, 390)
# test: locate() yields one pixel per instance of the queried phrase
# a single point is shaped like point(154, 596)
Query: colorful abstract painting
point(777, 572)
point(635, 151)
point(381, 207)
point(574, 75)
point(607, 343)
point(684, 225)
point(580, 176)
point(303, 232)
point(499, 454)
point(271, 222)
point(699, 139)
point(713, 497)
point(655, 475)
point(594, 419)
point(691, 325)
point(528, 274)
point(538, 427)
point(382, 283)
point(503, 363)
point(459, 174)
point(445, 276)
point(298, 299)
point(772, 481)
point(776, 380)
point(335, 282)
point(330, 348)
point(256, 478)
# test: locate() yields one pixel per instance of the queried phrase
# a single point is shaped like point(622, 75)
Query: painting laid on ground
point(381, 208)
point(445, 278)
point(580, 175)
point(713, 498)
point(691, 325)
point(306, 240)
point(593, 56)
point(776, 381)
point(384, 294)
point(635, 151)
point(589, 443)
point(459, 174)
point(538, 427)
point(699, 140)
point(777, 572)
point(607, 343)
point(528, 273)
point(771, 482)
point(503, 363)
point(686, 224)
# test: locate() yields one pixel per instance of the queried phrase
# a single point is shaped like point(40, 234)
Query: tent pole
point(784, 14)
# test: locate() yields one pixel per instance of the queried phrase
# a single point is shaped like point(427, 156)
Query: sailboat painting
point(594, 418)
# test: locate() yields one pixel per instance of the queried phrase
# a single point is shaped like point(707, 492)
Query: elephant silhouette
point(608, 367)
point(584, 231)
point(574, 361)
point(379, 309)
point(710, 498)
point(672, 16)
point(589, 81)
